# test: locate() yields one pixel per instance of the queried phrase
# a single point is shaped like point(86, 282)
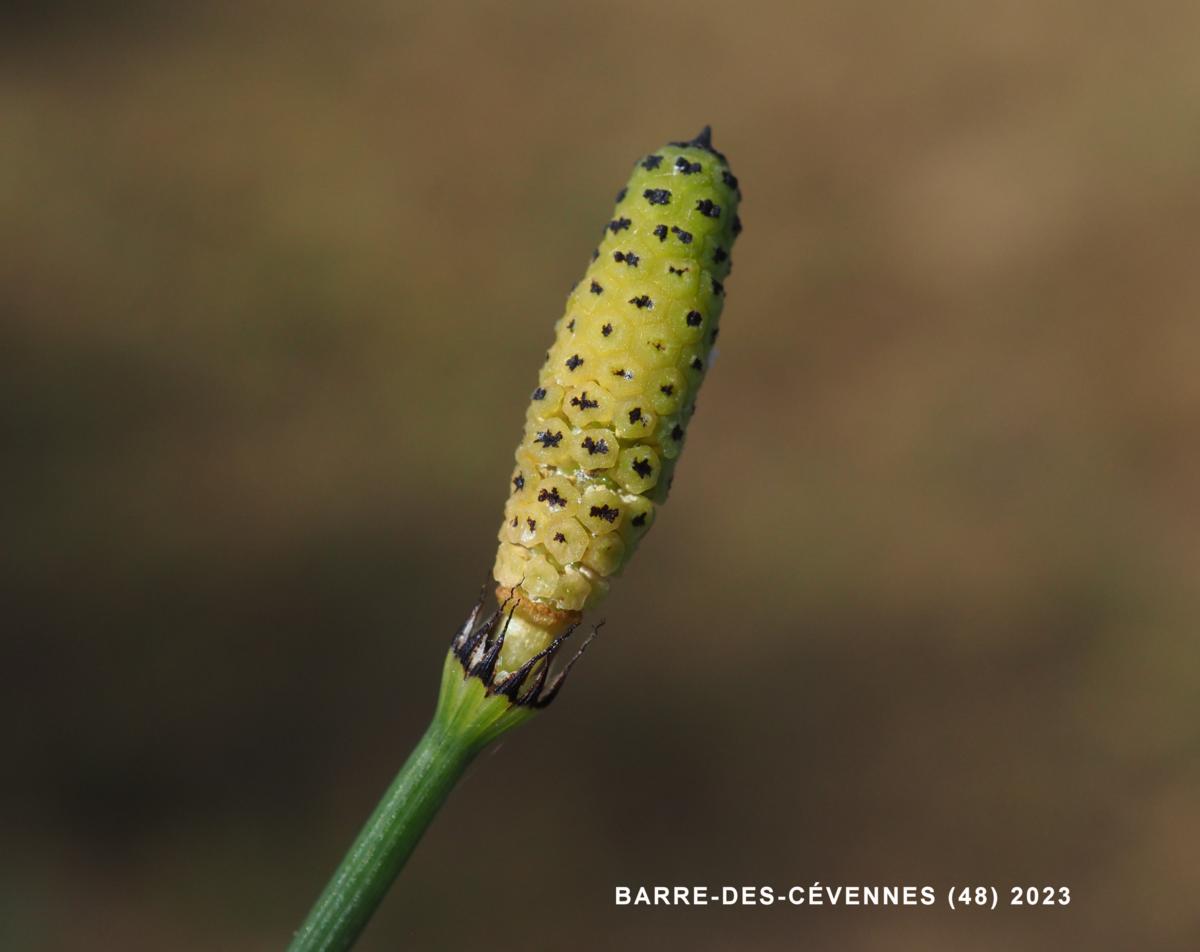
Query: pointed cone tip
point(702, 141)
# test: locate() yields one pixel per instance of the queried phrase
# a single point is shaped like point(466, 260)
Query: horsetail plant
point(603, 433)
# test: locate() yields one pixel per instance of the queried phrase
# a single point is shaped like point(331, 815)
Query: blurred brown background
point(275, 280)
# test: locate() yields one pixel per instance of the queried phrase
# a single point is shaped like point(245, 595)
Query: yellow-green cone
point(602, 437)
point(608, 417)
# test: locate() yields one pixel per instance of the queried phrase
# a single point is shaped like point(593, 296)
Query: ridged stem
point(467, 720)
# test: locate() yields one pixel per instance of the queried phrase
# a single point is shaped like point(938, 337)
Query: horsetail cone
point(602, 437)
point(608, 417)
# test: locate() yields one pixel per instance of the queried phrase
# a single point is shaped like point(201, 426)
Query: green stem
point(466, 721)
point(386, 841)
